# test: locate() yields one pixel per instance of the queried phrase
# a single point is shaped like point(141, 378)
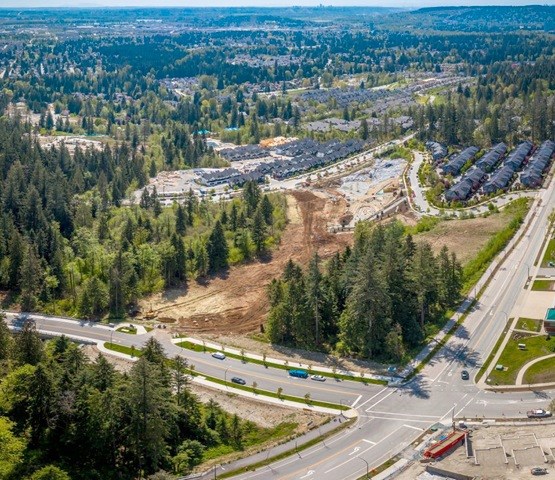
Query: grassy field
point(549, 254)
point(513, 359)
point(541, 372)
point(200, 348)
point(530, 324)
point(475, 241)
point(543, 285)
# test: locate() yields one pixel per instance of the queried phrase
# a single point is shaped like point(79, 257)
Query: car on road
point(219, 355)
point(238, 380)
point(318, 378)
point(538, 471)
point(298, 373)
point(538, 413)
point(465, 375)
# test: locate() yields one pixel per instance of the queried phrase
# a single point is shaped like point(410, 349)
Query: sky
point(260, 3)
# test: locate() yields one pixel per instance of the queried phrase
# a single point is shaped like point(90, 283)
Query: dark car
point(238, 380)
point(538, 471)
point(465, 375)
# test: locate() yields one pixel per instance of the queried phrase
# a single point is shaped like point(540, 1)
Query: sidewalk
point(289, 446)
point(482, 383)
point(526, 366)
point(481, 284)
point(201, 380)
point(315, 368)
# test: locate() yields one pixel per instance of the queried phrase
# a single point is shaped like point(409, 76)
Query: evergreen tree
point(217, 249)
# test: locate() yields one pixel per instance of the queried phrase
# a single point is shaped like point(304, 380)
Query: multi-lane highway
point(389, 418)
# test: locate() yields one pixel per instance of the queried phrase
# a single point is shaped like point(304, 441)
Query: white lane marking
point(308, 474)
point(372, 397)
point(356, 401)
point(402, 414)
point(369, 441)
point(355, 450)
point(413, 427)
point(380, 401)
point(364, 451)
point(427, 422)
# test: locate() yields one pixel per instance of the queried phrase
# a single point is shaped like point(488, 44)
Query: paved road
point(389, 418)
point(422, 205)
point(266, 378)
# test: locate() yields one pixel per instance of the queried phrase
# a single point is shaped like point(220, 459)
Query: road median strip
point(249, 359)
point(245, 388)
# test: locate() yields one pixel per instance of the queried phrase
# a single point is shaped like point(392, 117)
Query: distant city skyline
point(262, 3)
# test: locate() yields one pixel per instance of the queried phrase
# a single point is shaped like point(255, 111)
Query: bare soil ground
point(236, 302)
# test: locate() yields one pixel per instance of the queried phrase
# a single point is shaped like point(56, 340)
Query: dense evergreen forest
point(372, 301)
point(67, 246)
point(62, 416)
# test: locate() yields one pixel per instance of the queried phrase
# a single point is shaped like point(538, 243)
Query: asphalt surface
point(390, 418)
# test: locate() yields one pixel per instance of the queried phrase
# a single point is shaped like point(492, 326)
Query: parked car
point(539, 413)
point(318, 378)
point(238, 380)
point(219, 355)
point(538, 471)
point(465, 375)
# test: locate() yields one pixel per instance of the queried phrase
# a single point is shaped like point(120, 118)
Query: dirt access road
point(237, 302)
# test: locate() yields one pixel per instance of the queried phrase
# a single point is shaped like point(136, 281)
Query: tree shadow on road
point(418, 387)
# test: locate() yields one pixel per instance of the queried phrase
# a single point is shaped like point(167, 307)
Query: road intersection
point(389, 418)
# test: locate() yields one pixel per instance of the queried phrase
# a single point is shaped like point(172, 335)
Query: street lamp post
point(367, 466)
point(225, 376)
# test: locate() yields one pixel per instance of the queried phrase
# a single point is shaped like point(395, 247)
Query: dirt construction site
point(237, 302)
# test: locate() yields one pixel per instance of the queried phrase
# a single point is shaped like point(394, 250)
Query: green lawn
point(530, 324)
point(122, 349)
point(485, 365)
point(549, 254)
point(543, 285)
point(129, 330)
point(513, 359)
point(541, 372)
point(200, 348)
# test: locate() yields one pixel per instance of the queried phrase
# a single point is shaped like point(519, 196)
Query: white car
point(318, 378)
point(219, 355)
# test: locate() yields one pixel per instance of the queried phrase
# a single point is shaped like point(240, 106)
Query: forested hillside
point(63, 417)
point(67, 246)
point(372, 301)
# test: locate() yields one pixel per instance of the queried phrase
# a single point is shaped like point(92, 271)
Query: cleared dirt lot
point(237, 302)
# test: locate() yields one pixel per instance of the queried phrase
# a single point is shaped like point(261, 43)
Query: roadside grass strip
point(492, 354)
point(256, 391)
point(541, 372)
point(288, 453)
point(513, 358)
point(543, 286)
point(246, 359)
point(549, 255)
point(530, 324)
point(129, 330)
